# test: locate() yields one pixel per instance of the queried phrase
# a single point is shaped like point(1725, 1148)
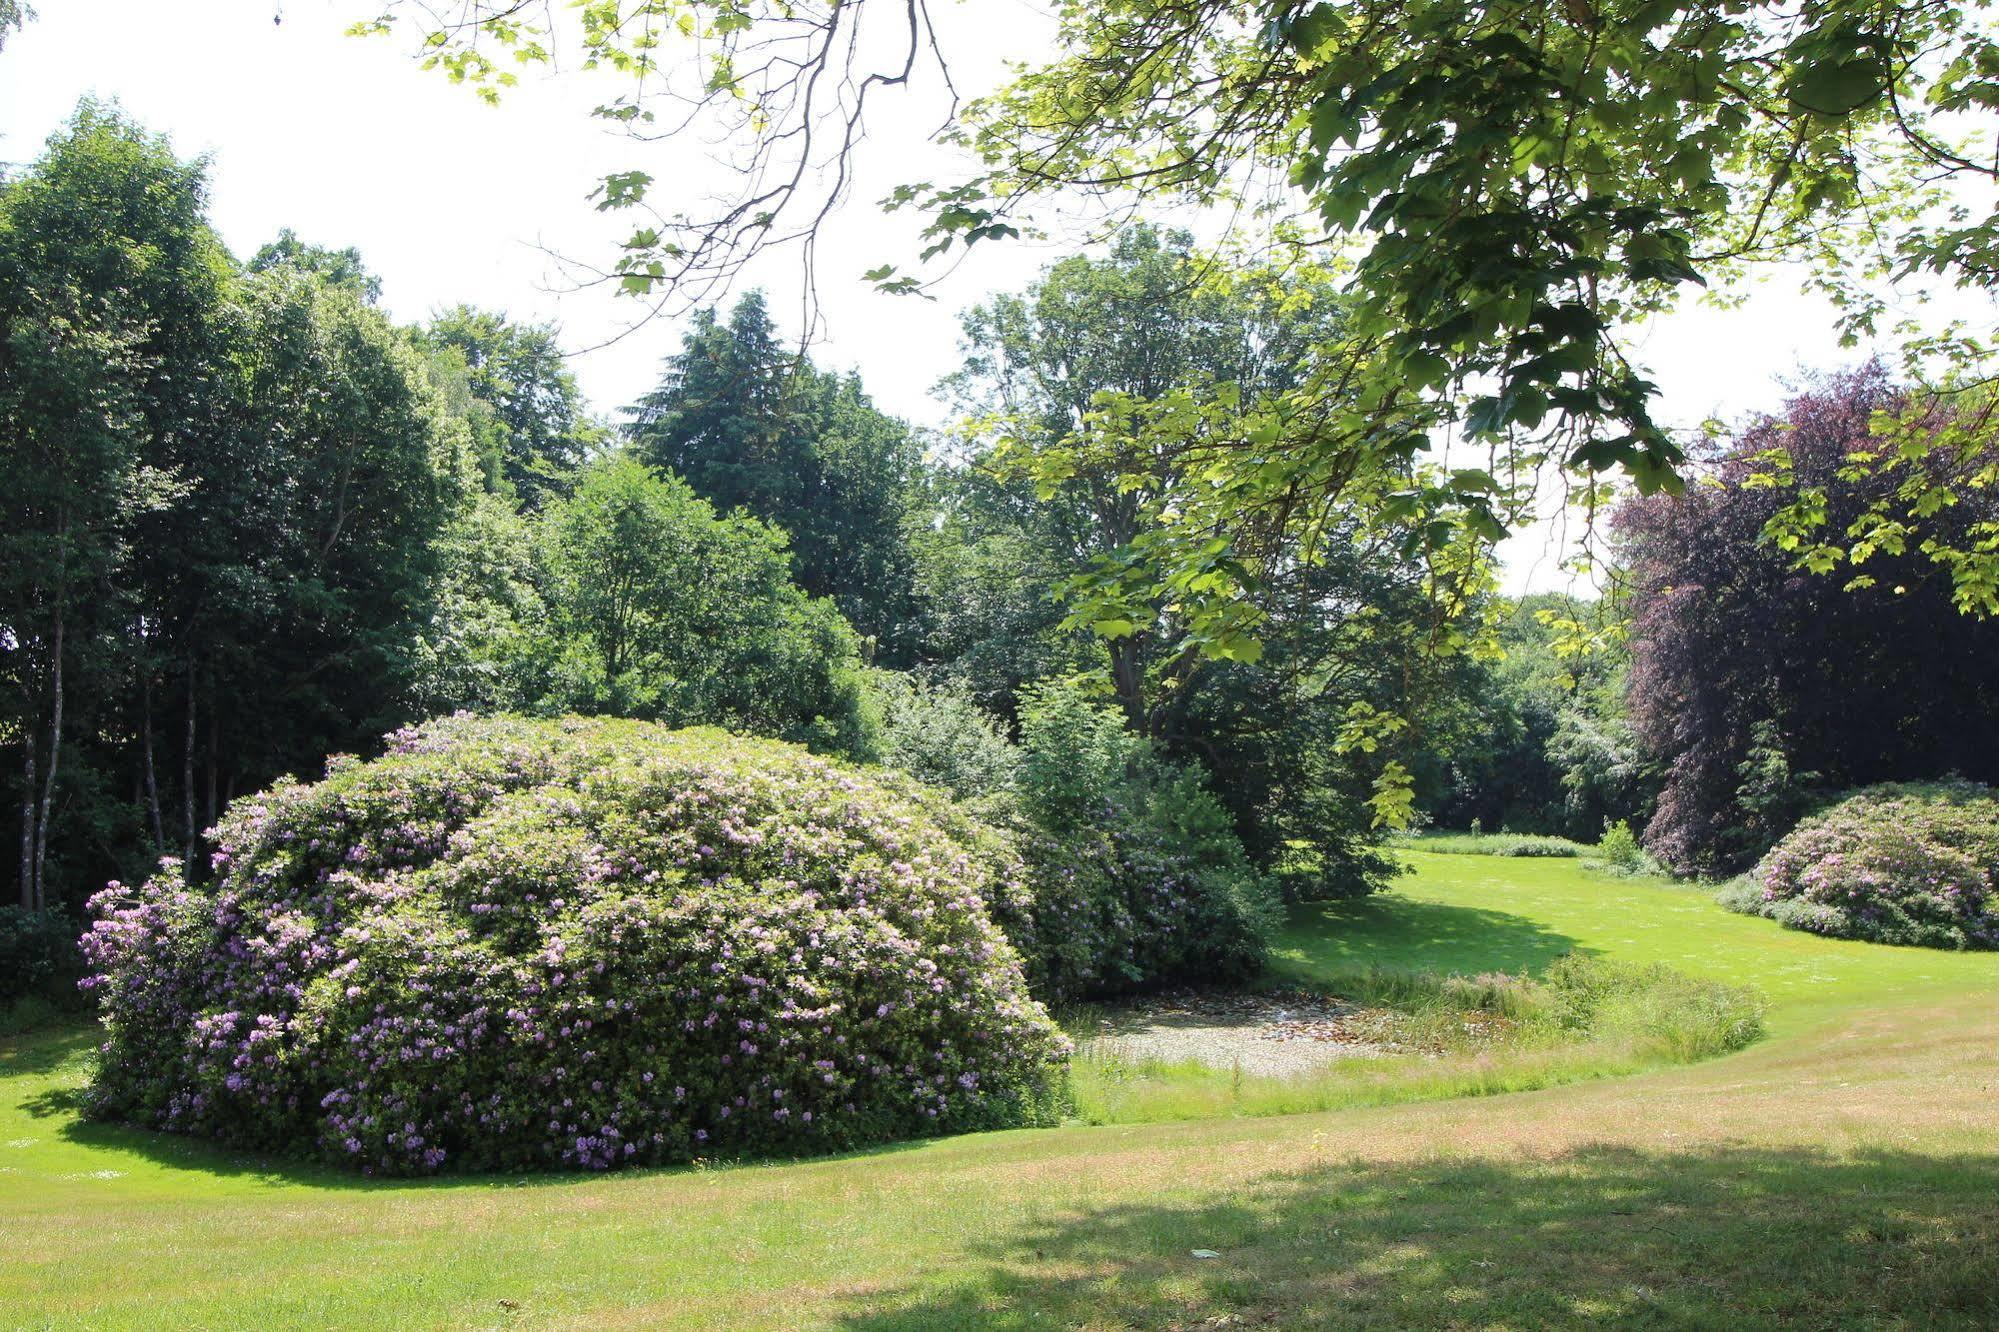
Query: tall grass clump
point(1497, 844)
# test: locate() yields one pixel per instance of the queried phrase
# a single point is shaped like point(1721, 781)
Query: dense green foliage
point(938, 734)
point(38, 955)
point(1136, 877)
point(1543, 742)
point(1899, 864)
point(249, 522)
point(749, 423)
point(530, 427)
point(1759, 687)
point(584, 944)
point(1334, 626)
point(222, 496)
point(659, 608)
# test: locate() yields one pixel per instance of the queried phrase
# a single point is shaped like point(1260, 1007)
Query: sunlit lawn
point(1842, 1173)
point(1487, 913)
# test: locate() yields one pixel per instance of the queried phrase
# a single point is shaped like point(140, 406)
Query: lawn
point(1486, 913)
point(1844, 1172)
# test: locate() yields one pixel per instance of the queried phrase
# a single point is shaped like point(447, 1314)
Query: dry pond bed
point(1279, 1033)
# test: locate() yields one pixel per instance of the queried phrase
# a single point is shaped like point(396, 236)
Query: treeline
point(251, 522)
point(224, 489)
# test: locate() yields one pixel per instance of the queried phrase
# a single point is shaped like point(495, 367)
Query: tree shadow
point(1607, 1235)
point(1388, 929)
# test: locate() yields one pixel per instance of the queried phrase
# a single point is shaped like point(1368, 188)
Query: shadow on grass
point(1324, 939)
point(1726, 1239)
point(43, 1055)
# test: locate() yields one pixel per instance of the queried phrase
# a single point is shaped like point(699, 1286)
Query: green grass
point(1470, 914)
point(1525, 845)
point(1844, 1173)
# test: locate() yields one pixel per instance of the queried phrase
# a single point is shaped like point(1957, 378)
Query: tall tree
point(542, 428)
point(223, 495)
point(1090, 390)
point(1050, 369)
point(336, 268)
point(1757, 684)
point(750, 423)
point(110, 291)
point(1518, 185)
point(659, 607)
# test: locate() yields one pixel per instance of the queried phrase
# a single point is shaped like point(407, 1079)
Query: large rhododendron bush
point(513, 944)
point(1900, 864)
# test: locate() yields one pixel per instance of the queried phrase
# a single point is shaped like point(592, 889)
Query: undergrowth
point(1498, 844)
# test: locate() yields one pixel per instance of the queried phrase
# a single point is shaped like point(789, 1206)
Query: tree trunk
point(55, 736)
point(152, 780)
point(1128, 678)
point(28, 729)
point(214, 748)
point(187, 774)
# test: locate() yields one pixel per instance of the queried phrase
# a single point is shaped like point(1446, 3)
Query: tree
point(661, 609)
point(13, 14)
point(986, 565)
point(1756, 684)
point(1091, 390)
point(542, 430)
point(1060, 371)
point(110, 285)
point(304, 619)
point(223, 494)
point(1543, 744)
point(335, 268)
point(1518, 183)
point(750, 424)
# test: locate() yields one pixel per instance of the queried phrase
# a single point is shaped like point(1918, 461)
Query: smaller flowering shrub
point(1915, 864)
point(1476, 843)
point(576, 944)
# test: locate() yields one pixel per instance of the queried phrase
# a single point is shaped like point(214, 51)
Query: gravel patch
point(1265, 1035)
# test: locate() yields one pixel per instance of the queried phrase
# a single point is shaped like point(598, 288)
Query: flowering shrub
point(1136, 875)
point(1895, 864)
point(512, 944)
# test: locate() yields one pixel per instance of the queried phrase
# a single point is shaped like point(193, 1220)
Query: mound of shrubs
point(1900, 864)
point(583, 944)
point(1136, 876)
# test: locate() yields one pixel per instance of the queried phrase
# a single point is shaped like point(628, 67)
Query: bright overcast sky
point(450, 200)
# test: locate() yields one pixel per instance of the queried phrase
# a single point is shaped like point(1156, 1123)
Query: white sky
point(449, 200)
